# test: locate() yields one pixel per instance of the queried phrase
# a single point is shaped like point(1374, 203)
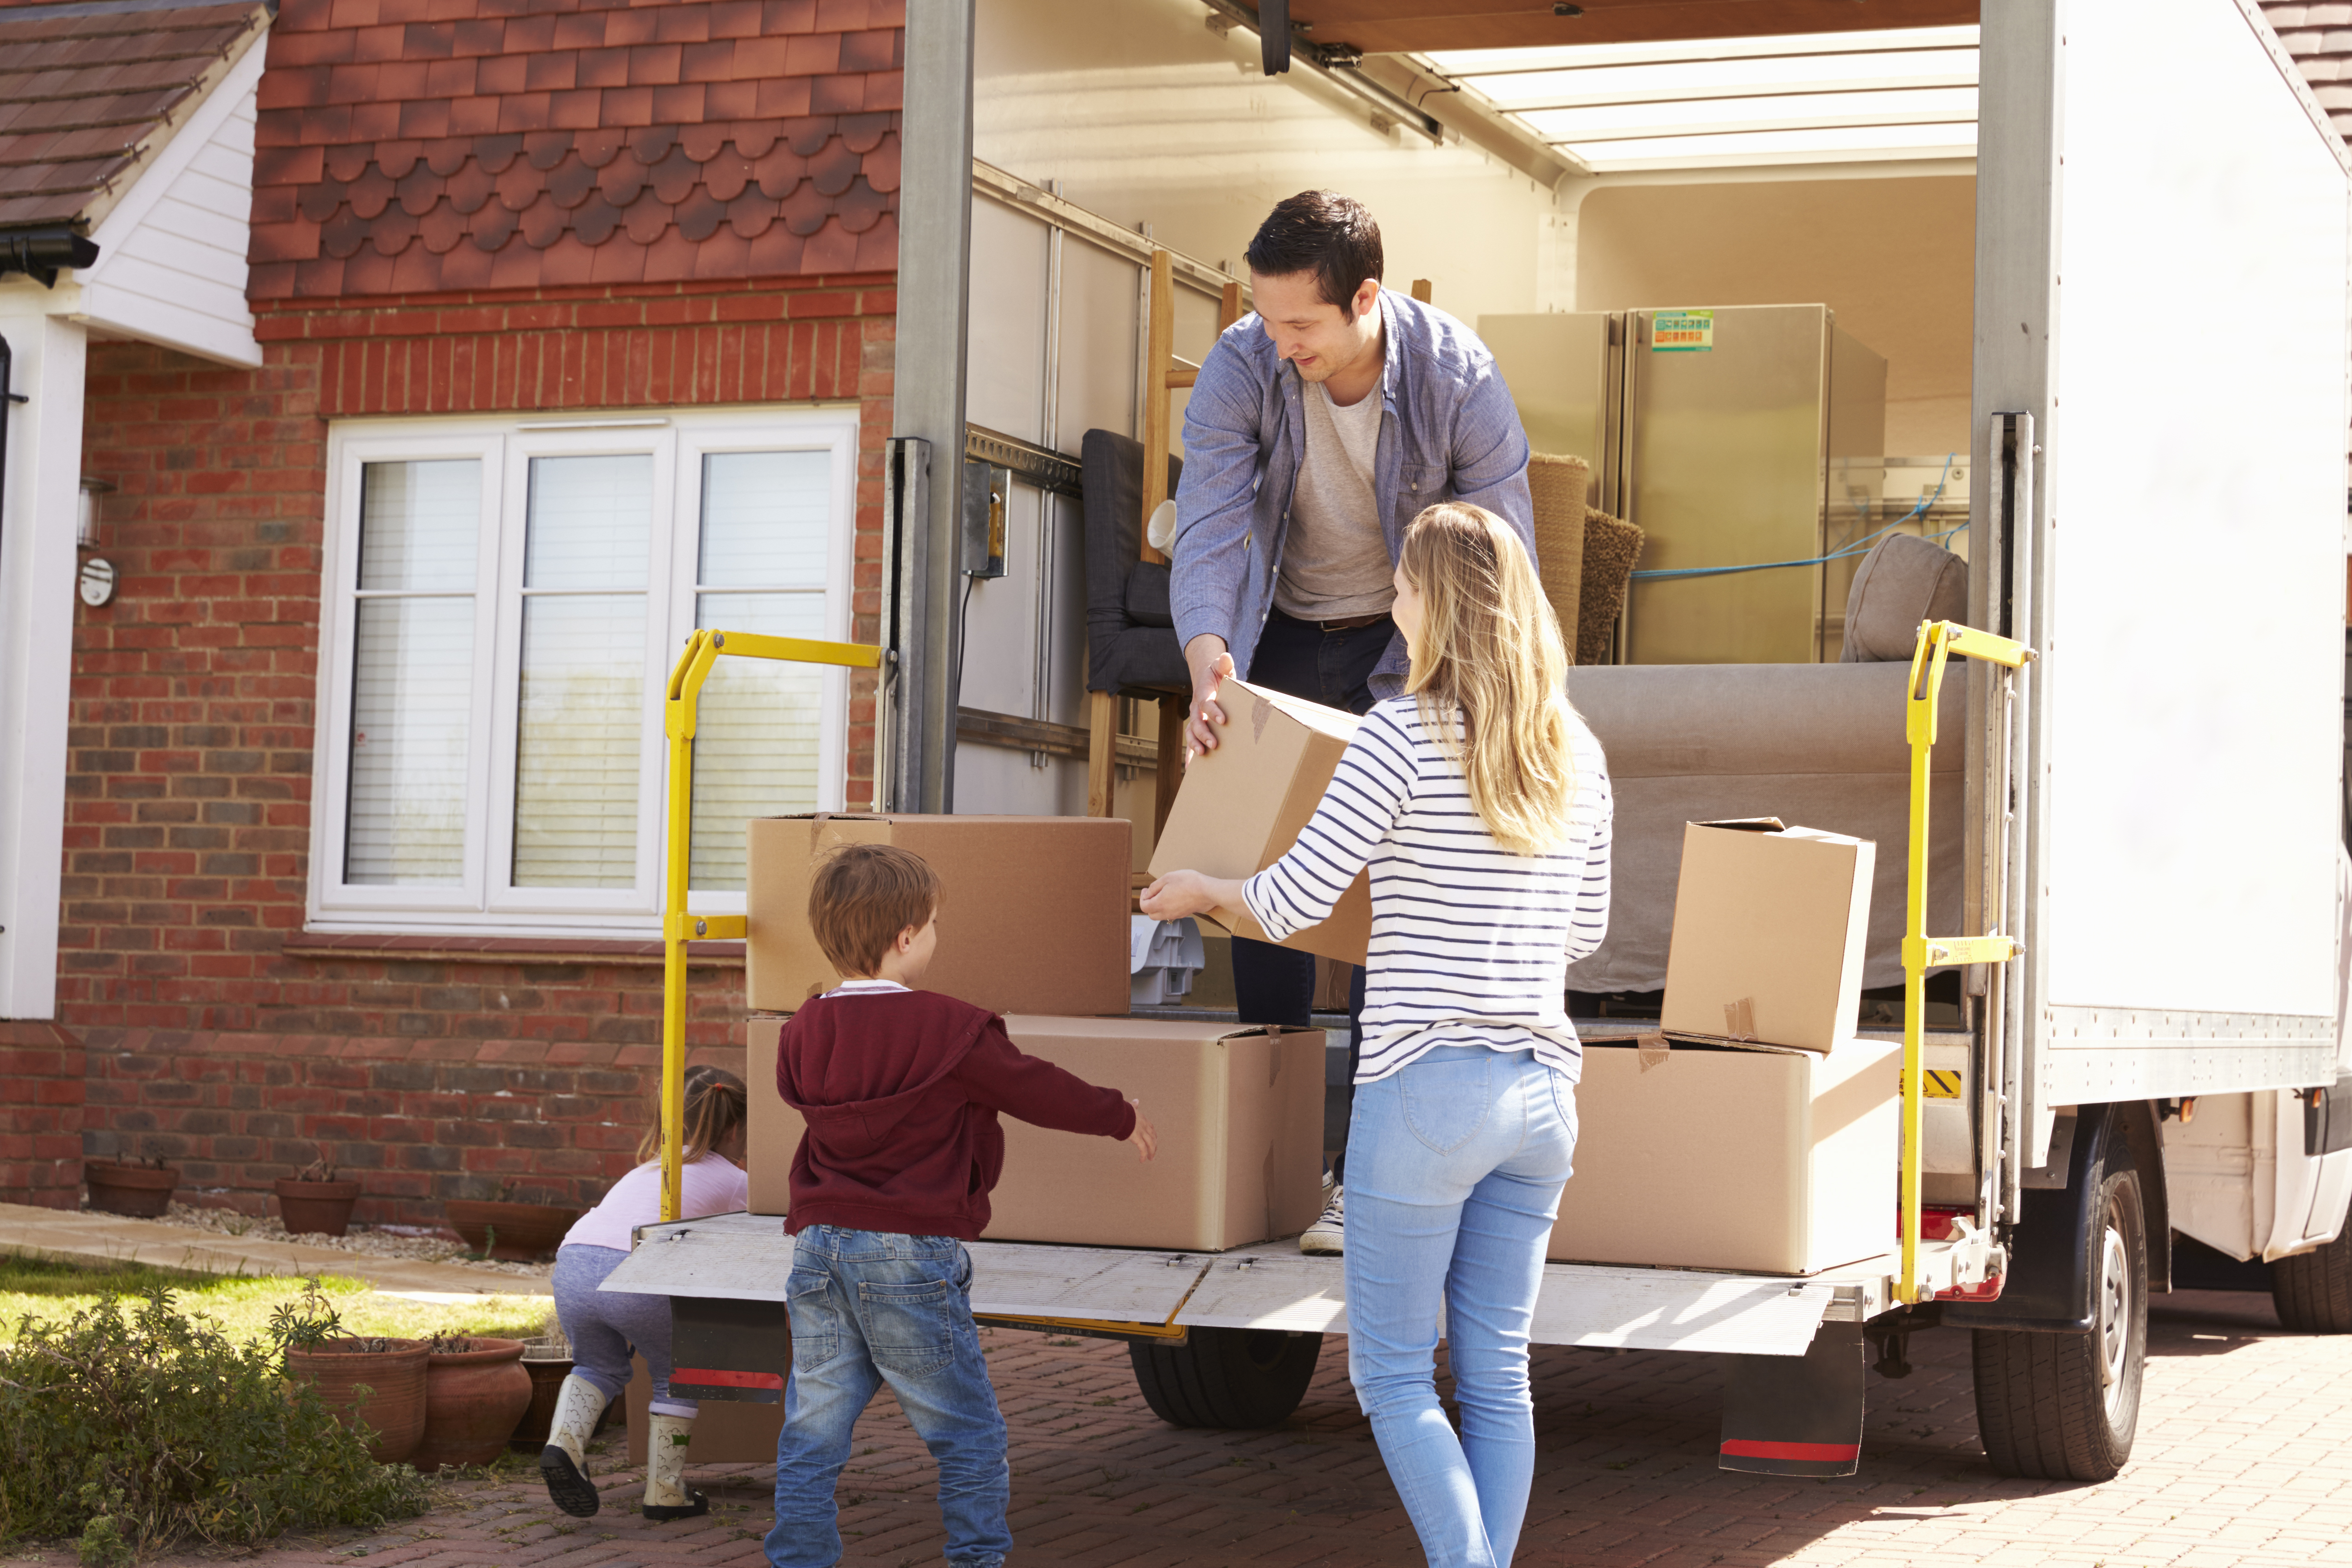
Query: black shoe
point(566, 1486)
point(694, 1509)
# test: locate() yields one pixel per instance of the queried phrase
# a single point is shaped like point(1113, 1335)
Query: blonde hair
point(1490, 655)
point(715, 1105)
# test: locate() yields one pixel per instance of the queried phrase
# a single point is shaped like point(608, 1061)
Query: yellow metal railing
point(1938, 640)
point(685, 677)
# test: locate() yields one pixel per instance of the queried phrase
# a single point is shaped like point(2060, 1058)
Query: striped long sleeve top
point(1470, 942)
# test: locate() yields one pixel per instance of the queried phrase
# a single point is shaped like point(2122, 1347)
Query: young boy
point(901, 1089)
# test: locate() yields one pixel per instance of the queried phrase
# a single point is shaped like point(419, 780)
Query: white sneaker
point(1326, 1238)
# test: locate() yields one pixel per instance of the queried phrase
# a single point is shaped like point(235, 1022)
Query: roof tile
point(504, 143)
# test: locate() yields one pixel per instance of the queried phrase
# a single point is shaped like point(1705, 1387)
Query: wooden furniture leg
point(1171, 760)
point(1102, 753)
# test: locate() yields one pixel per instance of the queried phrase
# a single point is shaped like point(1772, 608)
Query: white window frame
point(485, 903)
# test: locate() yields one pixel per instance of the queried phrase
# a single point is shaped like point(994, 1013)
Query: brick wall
point(42, 1090)
point(215, 1035)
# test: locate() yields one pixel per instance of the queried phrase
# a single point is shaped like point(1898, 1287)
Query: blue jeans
point(871, 1307)
point(1455, 1169)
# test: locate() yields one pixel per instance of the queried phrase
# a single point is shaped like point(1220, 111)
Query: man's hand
point(1210, 664)
point(1146, 1141)
point(1184, 892)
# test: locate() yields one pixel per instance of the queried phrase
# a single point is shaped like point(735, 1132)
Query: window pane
point(591, 522)
point(579, 739)
point(756, 732)
point(765, 516)
point(417, 524)
point(412, 703)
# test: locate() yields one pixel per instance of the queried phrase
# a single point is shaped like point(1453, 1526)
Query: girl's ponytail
point(717, 1104)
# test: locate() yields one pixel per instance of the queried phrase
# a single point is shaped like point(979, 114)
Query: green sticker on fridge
point(1682, 332)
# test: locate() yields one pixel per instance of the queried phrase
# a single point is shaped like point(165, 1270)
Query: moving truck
point(2146, 390)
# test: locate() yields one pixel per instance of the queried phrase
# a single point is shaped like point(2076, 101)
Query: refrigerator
point(1731, 435)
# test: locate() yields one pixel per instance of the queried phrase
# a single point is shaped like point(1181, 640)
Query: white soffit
point(1827, 98)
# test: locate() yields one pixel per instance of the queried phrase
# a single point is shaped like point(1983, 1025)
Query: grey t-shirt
point(1335, 558)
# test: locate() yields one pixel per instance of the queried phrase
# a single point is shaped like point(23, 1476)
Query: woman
point(607, 1327)
point(1481, 803)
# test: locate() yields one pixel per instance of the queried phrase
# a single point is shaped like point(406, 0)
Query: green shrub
point(135, 1426)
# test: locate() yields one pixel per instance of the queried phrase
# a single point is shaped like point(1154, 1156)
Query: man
point(1319, 428)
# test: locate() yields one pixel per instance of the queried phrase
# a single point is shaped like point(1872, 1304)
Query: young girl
point(607, 1327)
point(1481, 803)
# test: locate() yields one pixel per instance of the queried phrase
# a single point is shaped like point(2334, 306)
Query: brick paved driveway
point(2245, 1456)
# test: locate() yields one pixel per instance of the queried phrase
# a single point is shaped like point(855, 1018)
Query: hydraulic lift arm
point(685, 677)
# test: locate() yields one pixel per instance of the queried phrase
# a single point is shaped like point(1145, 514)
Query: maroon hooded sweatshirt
point(901, 1091)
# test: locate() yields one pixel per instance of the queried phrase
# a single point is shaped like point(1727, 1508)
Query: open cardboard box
point(1032, 910)
point(1239, 1110)
point(1770, 924)
point(1241, 806)
point(1768, 1162)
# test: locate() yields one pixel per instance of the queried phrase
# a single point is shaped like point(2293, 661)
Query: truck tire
point(2064, 1406)
point(1227, 1377)
point(2312, 1290)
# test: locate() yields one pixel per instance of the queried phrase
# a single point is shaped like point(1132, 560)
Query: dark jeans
point(1277, 985)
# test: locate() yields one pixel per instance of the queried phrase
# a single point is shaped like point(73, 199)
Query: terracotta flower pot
point(316, 1207)
point(393, 1405)
point(473, 1398)
point(141, 1191)
point(518, 1232)
point(546, 1382)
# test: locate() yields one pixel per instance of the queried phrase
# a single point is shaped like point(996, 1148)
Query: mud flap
point(722, 1349)
point(1797, 1414)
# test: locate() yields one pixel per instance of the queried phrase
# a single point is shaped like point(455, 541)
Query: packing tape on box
point(1739, 1018)
point(1652, 1050)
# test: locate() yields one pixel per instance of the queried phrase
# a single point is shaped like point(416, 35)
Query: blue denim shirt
point(1449, 432)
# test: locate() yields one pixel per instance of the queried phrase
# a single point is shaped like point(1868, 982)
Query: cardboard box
point(1768, 1162)
point(1241, 806)
point(1239, 1110)
point(1770, 928)
point(1033, 917)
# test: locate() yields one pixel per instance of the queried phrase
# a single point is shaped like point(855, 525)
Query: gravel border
point(415, 1247)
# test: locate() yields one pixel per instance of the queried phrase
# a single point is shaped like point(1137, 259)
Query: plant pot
point(140, 1191)
point(473, 1398)
point(393, 1406)
point(518, 1232)
point(316, 1207)
point(546, 1382)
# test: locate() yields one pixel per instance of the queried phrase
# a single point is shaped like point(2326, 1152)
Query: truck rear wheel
point(1227, 1377)
point(2312, 1290)
point(2063, 1406)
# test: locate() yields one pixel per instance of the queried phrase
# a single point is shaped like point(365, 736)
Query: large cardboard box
point(1033, 915)
point(726, 1432)
point(1239, 1110)
point(1770, 928)
point(1241, 807)
point(1769, 1162)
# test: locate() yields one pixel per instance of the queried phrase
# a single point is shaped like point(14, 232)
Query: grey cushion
point(1123, 654)
point(1147, 595)
point(1819, 746)
point(1903, 581)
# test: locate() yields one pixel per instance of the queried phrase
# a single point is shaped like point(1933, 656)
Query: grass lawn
point(53, 1289)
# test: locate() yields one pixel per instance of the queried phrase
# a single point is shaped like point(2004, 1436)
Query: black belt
point(1348, 625)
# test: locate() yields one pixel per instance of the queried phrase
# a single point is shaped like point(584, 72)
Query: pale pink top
point(712, 1184)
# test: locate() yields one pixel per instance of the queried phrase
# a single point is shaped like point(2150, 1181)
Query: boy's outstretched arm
point(996, 1073)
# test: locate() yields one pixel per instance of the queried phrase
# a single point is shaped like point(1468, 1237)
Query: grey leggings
point(605, 1326)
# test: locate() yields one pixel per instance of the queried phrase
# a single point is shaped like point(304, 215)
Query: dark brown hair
point(715, 1107)
point(1323, 233)
point(863, 896)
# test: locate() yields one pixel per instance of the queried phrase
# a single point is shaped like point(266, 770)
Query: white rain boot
point(564, 1463)
point(666, 1494)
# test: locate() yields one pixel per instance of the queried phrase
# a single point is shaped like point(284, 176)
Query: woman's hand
point(1146, 1141)
point(1184, 892)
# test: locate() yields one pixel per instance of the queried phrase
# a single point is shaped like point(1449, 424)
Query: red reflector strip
point(1825, 1452)
point(715, 1377)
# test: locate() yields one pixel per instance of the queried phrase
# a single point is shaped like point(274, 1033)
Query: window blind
point(761, 559)
point(413, 672)
point(580, 731)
